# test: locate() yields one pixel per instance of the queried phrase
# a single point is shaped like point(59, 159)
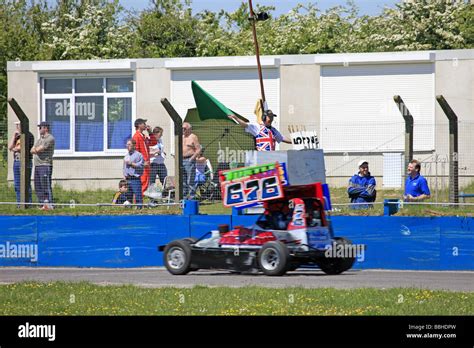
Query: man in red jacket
point(142, 147)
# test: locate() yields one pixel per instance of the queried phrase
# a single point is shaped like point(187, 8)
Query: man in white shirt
point(265, 135)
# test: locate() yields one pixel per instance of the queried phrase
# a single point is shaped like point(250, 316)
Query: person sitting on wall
point(362, 188)
point(265, 135)
point(416, 186)
point(122, 196)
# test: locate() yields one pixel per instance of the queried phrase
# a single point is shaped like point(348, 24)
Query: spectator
point(15, 147)
point(191, 150)
point(416, 186)
point(150, 138)
point(201, 166)
point(265, 135)
point(43, 152)
point(133, 164)
point(362, 187)
point(142, 147)
point(122, 196)
point(157, 157)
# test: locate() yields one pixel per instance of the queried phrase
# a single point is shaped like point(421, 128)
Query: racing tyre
point(273, 258)
point(177, 257)
point(336, 265)
point(191, 240)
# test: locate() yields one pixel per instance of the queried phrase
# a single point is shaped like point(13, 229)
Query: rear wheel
point(177, 257)
point(337, 265)
point(273, 258)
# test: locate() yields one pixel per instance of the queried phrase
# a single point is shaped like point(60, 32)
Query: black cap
point(44, 124)
point(270, 113)
point(139, 121)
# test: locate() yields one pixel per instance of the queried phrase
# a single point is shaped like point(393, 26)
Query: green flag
point(209, 108)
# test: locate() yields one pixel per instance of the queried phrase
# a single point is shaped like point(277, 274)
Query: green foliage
point(89, 30)
point(167, 29)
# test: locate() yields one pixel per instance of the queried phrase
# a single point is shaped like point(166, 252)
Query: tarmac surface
point(159, 277)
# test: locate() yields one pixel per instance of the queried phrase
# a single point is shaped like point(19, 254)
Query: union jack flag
point(265, 139)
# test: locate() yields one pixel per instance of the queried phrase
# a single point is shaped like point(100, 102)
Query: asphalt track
point(159, 277)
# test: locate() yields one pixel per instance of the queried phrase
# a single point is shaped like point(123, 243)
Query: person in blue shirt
point(416, 186)
point(362, 187)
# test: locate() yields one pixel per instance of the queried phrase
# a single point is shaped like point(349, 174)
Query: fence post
point(25, 174)
point(178, 144)
point(453, 149)
point(408, 130)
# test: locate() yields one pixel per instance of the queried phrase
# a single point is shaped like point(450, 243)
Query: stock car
point(292, 231)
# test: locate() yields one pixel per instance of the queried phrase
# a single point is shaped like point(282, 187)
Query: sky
point(368, 7)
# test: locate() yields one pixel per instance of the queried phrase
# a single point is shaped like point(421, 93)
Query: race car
point(292, 231)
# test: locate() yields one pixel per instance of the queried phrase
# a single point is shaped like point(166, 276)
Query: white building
point(346, 98)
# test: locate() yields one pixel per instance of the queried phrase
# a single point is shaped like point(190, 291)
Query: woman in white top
point(157, 158)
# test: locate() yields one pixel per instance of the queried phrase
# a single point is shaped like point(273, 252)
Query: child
point(201, 166)
point(121, 197)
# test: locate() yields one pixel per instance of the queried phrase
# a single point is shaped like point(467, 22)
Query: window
point(100, 119)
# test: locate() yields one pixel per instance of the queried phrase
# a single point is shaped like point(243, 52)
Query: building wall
point(455, 81)
point(23, 86)
point(153, 84)
point(299, 106)
point(299, 93)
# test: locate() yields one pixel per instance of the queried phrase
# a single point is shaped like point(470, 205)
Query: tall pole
point(408, 118)
point(453, 149)
point(178, 144)
point(257, 51)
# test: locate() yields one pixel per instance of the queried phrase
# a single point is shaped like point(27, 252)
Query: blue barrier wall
point(416, 243)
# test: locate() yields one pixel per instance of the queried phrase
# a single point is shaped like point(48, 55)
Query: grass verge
point(60, 298)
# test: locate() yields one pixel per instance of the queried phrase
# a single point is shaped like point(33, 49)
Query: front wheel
point(337, 265)
point(177, 257)
point(273, 258)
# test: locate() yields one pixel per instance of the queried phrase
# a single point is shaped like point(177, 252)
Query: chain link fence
point(86, 178)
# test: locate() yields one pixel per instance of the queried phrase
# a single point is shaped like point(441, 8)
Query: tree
point(419, 25)
point(21, 38)
point(87, 30)
point(167, 29)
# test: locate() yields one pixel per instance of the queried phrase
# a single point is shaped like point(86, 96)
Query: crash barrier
point(392, 242)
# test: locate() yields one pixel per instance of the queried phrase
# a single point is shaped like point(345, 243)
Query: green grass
point(84, 298)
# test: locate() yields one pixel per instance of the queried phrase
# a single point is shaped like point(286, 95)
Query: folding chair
point(169, 187)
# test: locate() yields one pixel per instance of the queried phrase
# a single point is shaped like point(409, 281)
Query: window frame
point(72, 112)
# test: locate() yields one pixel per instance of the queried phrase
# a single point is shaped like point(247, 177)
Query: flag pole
point(253, 19)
